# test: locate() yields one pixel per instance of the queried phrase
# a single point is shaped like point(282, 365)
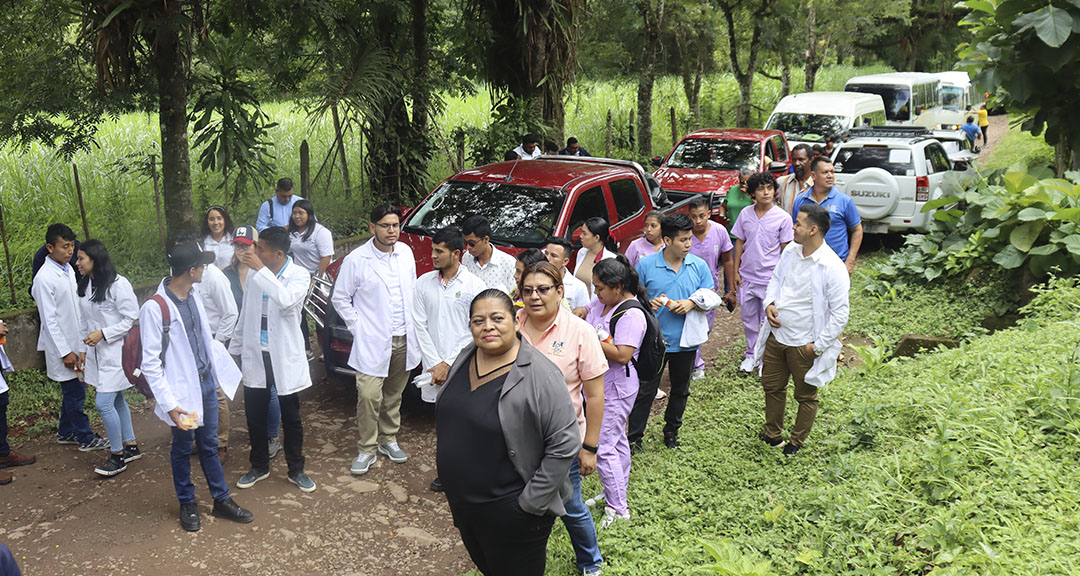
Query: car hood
point(690, 180)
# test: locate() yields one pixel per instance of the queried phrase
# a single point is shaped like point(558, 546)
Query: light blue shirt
point(659, 278)
point(279, 215)
point(843, 215)
point(264, 334)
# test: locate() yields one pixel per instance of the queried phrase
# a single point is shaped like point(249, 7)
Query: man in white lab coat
point(373, 295)
point(184, 379)
point(441, 308)
point(271, 347)
point(58, 309)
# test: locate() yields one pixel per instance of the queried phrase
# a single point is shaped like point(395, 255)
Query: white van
point(911, 98)
point(959, 99)
point(812, 116)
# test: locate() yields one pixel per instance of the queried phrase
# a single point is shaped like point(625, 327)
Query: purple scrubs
point(639, 249)
point(762, 240)
point(717, 241)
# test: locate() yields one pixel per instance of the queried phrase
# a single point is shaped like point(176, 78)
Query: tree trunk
point(1065, 158)
point(171, 68)
point(653, 20)
point(339, 138)
point(813, 59)
point(785, 75)
point(691, 80)
point(744, 77)
point(421, 97)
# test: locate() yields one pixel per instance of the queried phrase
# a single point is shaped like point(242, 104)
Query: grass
point(35, 403)
point(1019, 147)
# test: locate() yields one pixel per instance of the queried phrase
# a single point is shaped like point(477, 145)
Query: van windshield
point(952, 97)
point(897, 99)
point(712, 154)
point(519, 215)
point(807, 127)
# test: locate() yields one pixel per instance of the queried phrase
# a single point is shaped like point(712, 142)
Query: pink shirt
point(571, 343)
point(629, 331)
point(717, 241)
point(639, 249)
point(761, 238)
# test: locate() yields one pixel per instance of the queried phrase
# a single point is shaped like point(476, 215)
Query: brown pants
point(223, 419)
point(378, 401)
point(778, 363)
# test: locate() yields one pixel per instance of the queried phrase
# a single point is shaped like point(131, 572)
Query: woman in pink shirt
point(651, 243)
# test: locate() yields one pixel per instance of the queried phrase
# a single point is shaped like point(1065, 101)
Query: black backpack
point(653, 350)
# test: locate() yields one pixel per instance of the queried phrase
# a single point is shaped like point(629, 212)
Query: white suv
point(892, 172)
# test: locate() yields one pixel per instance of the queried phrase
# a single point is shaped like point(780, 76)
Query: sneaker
point(16, 459)
point(660, 394)
point(393, 452)
point(697, 374)
point(671, 441)
point(274, 445)
point(791, 449)
point(362, 464)
point(302, 480)
point(254, 475)
point(97, 443)
point(595, 500)
point(436, 485)
point(230, 510)
point(132, 453)
point(636, 447)
point(68, 439)
point(774, 442)
point(593, 571)
point(310, 356)
point(747, 365)
point(189, 517)
point(113, 466)
point(610, 517)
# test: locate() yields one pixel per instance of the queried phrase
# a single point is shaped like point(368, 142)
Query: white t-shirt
point(223, 250)
point(307, 253)
point(577, 294)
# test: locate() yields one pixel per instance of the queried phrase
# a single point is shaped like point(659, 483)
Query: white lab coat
point(575, 290)
point(58, 310)
point(5, 366)
point(362, 300)
point(219, 302)
point(831, 284)
point(176, 383)
point(288, 359)
point(441, 315)
point(696, 324)
point(114, 316)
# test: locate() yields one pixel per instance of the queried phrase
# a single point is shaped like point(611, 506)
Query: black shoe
point(189, 517)
point(230, 510)
point(774, 442)
point(436, 485)
point(790, 449)
point(671, 441)
point(131, 453)
point(636, 447)
point(113, 466)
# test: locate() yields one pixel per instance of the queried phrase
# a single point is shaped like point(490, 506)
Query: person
point(277, 211)
point(711, 242)
point(506, 438)
point(529, 148)
point(551, 148)
point(760, 236)
point(845, 236)
point(570, 343)
point(984, 122)
point(8, 457)
point(523, 260)
point(39, 259)
point(830, 145)
point(8, 566)
point(217, 230)
point(617, 288)
point(107, 310)
point(971, 131)
point(312, 247)
point(595, 241)
point(482, 258)
point(184, 378)
point(806, 305)
point(573, 148)
point(652, 241)
point(58, 308)
point(791, 185)
point(558, 251)
point(510, 155)
point(268, 341)
point(819, 152)
point(441, 303)
point(373, 296)
point(736, 199)
point(670, 278)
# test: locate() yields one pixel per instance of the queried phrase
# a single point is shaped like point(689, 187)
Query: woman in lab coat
point(108, 308)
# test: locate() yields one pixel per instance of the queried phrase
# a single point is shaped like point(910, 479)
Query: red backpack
point(132, 356)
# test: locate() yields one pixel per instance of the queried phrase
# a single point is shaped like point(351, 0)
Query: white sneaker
point(595, 500)
point(697, 374)
point(747, 365)
point(660, 394)
point(610, 517)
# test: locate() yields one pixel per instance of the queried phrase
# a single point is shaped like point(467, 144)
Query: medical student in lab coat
point(108, 309)
point(184, 382)
point(373, 295)
point(58, 308)
point(271, 347)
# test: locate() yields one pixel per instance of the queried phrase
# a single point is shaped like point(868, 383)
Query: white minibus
point(910, 97)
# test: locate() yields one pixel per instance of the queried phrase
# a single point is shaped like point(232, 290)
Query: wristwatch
point(589, 448)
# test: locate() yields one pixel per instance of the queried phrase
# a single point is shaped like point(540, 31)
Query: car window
point(520, 215)
point(781, 150)
point(939, 160)
point(770, 151)
point(810, 127)
point(627, 197)
point(895, 161)
point(590, 203)
point(712, 154)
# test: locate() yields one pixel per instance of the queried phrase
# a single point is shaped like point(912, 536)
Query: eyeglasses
point(541, 290)
point(472, 243)
point(389, 227)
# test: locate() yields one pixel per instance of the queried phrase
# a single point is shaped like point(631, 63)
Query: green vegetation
point(35, 403)
point(1020, 149)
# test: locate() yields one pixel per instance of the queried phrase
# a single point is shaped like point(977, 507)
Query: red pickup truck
point(526, 202)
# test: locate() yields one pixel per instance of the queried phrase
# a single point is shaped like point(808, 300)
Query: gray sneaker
point(97, 443)
point(393, 452)
point(302, 480)
point(248, 480)
point(274, 444)
point(362, 464)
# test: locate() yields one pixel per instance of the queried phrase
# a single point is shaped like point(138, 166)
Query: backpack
point(653, 350)
point(131, 358)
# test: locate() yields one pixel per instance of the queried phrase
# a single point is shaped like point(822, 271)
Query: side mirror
point(657, 161)
point(778, 167)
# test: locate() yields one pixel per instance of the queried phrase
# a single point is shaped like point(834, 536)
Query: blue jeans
point(580, 526)
point(4, 448)
point(273, 415)
point(73, 420)
point(116, 417)
point(206, 434)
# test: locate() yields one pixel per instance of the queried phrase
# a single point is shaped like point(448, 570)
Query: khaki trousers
point(378, 401)
point(777, 364)
point(223, 419)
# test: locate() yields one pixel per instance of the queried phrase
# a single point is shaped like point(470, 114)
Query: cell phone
point(729, 305)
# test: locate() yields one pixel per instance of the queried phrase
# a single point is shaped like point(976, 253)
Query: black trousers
point(679, 365)
point(4, 448)
point(305, 331)
point(502, 539)
point(256, 405)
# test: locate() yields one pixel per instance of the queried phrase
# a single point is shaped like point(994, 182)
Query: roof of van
point(825, 101)
point(954, 78)
point(892, 77)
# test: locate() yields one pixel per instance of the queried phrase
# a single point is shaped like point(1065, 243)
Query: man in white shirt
point(493, 266)
point(558, 251)
point(58, 310)
point(791, 185)
point(530, 147)
point(373, 295)
point(806, 307)
point(277, 211)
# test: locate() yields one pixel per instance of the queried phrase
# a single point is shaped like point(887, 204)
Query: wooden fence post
point(305, 170)
point(157, 201)
point(607, 141)
point(632, 126)
point(459, 143)
point(7, 255)
point(82, 207)
point(674, 128)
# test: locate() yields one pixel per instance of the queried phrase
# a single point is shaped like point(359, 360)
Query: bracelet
point(588, 448)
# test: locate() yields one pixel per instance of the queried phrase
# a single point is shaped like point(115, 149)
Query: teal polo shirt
point(843, 215)
point(659, 278)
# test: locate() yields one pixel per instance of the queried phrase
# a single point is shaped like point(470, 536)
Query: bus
point(911, 98)
point(959, 99)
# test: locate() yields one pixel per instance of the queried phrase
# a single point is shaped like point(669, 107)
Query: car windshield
point(807, 127)
point(519, 215)
point(712, 154)
point(952, 97)
point(897, 99)
point(895, 161)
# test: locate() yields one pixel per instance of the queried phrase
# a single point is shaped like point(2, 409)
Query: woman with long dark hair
point(217, 230)
point(596, 245)
point(312, 244)
point(108, 309)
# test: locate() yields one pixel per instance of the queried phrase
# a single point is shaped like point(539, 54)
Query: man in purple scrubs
point(710, 242)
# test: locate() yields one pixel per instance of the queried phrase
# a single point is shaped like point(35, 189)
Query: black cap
point(184, 257)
